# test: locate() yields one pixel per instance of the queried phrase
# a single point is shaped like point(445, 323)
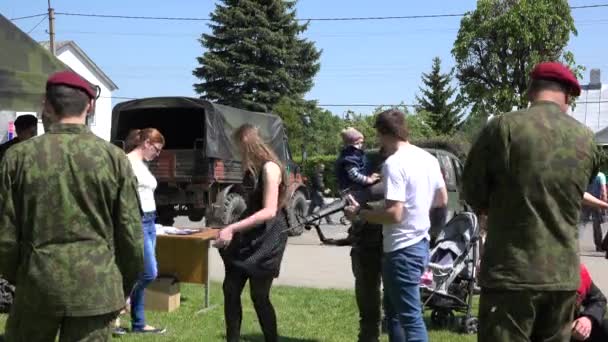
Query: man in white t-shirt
point(413, 186)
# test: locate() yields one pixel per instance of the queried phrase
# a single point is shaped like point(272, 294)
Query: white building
point(592, 107)
point(73, 56)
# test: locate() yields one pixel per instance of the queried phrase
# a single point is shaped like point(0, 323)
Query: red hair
point(138, 137)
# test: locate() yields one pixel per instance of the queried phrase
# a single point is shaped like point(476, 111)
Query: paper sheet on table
point(166, 230)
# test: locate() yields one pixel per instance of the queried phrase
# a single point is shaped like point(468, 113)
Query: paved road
point(307, 263)
point(595, 262)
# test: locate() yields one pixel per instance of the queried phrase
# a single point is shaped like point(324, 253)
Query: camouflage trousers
point(526, 316)
point(367, 269)
point(38, 327)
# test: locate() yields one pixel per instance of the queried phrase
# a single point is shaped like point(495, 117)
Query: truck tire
point(165, 216)
point(298, 207)
point(196, 215)
point(234, 207)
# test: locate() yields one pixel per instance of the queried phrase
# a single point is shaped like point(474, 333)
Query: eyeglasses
point(157, 149)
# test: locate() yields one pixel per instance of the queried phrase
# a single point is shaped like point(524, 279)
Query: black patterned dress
point(257, 251)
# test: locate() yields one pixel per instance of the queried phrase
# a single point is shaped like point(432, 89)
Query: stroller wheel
point(471, 325)
point(442, 318)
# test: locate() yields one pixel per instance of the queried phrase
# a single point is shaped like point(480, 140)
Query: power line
point(112, 16)
point(423, 16)
point(588, 6)
point(409, 105)
point(40, 22)
point(366, 105)
point(30, 16)
point(352, 104)
point(405, 17)
point(314, 34)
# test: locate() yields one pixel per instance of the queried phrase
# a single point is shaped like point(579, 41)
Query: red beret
point(557, 72)
point(73, 80)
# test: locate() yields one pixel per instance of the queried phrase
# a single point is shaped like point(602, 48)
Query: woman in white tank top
point(144, 146)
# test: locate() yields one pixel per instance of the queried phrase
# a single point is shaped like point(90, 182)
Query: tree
point(500, 42)
point(443, 114)
point(417, 125)
point(255, 56)
point(364, 124)
point(321, 136)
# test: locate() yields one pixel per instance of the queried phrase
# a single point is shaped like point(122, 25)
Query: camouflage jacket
point(70, 223)
point(528, 170)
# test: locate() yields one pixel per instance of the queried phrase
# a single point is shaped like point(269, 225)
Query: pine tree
point(443, 114)
point(255, 56)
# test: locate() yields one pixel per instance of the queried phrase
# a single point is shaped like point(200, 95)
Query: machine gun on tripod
point(374, 193)
point(370, 194)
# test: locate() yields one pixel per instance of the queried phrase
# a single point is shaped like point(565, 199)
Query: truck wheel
point(165, 216)
point(297, 208)
point(234, 207)
point(165, 220)
point(196, 215)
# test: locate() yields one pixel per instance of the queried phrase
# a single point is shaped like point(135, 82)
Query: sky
point(363, 62)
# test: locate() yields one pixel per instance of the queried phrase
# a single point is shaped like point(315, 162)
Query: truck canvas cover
point(219, 123)
point(24, 68)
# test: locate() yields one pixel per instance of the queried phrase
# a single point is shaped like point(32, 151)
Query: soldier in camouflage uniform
point(366, 260)
point(528, 171)
point(71, 236)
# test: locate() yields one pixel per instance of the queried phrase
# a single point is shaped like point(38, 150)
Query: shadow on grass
point(260, 338)
point(453, 327)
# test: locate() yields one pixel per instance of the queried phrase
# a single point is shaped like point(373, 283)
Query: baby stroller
point(449, 282)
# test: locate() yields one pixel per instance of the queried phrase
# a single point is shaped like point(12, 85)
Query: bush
point(457, 144)
point(604, 159)
point(308, 169)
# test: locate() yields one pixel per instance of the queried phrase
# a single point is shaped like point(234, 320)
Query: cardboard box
point(162, 295)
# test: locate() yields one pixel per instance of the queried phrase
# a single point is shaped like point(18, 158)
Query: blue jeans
point(138, 320)
point(401, 272)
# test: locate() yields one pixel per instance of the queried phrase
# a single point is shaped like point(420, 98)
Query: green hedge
point(308, 169)
point(604, 160)
point(455, 144)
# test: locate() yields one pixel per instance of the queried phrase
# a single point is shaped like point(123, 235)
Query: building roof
point(61, 46)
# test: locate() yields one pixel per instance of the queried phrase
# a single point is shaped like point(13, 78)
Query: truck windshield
point(181, 127)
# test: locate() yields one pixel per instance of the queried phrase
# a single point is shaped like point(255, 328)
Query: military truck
point(451, 168)
point(199, 171)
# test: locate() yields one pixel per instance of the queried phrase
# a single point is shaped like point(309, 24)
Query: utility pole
point(51, 28)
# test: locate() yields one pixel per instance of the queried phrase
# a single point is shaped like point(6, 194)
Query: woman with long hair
point(252, 248)
point(144, 146)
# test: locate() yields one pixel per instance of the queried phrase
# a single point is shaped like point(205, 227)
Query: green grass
point(304, 315)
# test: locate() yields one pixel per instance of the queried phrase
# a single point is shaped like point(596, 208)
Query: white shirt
point(146, 184)
point(411, 176)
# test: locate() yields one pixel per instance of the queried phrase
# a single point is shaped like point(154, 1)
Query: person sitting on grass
point(590, 324)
